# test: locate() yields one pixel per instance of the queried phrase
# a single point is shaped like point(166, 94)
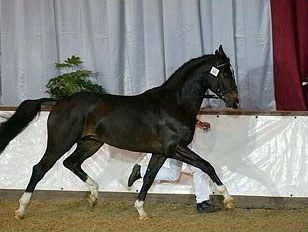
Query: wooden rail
point(206, 111)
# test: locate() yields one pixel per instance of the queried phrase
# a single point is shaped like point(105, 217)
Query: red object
point(290, 47)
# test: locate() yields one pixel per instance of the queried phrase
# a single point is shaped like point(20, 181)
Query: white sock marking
point(139, 206)
point(223, 190)
point(23, 202)
point(93, 187)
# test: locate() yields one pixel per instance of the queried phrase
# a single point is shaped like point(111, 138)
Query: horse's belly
point(135, 145)
point(132, 137)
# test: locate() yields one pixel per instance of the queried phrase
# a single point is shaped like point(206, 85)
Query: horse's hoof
point(144, 217)
point(18, 215)
point(229, 203)
point(92, 200)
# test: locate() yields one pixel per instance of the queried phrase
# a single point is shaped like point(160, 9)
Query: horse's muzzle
point(235, 104)
point(232, 104)
point(231, 100)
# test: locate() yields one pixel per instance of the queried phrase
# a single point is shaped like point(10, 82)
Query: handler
point(173, 172)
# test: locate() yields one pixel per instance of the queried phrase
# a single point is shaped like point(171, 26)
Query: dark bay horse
point(160, 121)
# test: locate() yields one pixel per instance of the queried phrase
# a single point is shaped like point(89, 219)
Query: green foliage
point(73, 81)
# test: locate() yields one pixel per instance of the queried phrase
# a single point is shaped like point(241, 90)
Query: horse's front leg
point(155, 164)
point(188, 156)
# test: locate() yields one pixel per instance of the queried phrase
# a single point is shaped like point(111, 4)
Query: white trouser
point(173, 173)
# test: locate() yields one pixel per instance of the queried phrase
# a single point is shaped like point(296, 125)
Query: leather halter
point(221, 94)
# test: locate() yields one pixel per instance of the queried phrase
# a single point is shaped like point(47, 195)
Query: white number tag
point(214, 71)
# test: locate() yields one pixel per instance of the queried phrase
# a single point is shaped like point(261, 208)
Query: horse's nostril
point(235, 104)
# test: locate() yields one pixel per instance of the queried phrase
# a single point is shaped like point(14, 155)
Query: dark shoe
point(206, 207)
point(135, 175)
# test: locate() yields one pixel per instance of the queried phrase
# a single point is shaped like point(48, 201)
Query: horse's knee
point(209, 170)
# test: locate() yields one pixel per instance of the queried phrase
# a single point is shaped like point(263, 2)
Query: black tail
point(23, 115)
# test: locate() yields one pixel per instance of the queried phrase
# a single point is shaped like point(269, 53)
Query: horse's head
point(222, 81)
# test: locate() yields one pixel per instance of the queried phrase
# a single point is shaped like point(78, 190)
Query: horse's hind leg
point(154, 165)
point(38, 172)
point(85, 148)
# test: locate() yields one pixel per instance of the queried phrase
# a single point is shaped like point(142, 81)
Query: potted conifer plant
point(73, 80)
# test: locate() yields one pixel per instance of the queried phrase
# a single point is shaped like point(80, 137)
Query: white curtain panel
point(134, 45)
point(267, 156)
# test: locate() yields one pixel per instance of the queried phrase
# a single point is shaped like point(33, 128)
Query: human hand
point(205, 126)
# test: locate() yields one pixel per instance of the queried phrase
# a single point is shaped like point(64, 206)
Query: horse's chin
point(233, 105)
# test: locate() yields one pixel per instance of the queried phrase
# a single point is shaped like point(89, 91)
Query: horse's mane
point(179, 74)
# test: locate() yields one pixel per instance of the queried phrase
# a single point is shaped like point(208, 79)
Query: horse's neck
point(191, 95)
point(187, 84)
point(191, 100)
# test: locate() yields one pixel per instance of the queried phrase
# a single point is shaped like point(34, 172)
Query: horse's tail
point(23, 115)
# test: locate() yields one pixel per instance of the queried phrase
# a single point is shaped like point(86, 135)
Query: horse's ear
point(221, 51)
point(217, 53)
